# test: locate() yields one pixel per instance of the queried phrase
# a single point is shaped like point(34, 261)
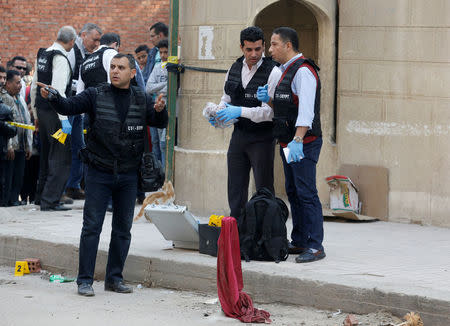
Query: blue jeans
point(306, 209)
point(159, 144)
point(100, 186)
point(76, 169)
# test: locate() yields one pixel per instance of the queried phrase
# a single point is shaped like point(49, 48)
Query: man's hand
point(229, 113)
point(27, 154)
point(66, 127)
point(295, 151)
point(44, 92)
point(36, 125)
point(160, 104)
point(10, 155)
point(48, 92)
point(262, 94)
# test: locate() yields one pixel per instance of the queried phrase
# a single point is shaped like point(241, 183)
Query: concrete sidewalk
point(369, 266)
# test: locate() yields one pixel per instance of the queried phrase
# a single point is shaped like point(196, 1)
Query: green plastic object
point(58, 278)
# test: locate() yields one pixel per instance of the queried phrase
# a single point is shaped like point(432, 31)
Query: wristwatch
point(298, 139)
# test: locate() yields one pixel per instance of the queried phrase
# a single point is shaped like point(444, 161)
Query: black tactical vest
point(111, 145)
point(78, 61)
point(44, 71)
point(247, 97)
point(285, 104)
point(92, 71)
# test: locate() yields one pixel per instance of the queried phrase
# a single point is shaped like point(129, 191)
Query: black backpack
point(262, 228)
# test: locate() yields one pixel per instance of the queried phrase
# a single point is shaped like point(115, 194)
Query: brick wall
point(27, 25)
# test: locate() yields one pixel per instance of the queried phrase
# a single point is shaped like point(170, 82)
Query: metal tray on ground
point(175, 223)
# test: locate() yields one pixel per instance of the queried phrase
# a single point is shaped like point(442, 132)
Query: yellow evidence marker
point(21, 268)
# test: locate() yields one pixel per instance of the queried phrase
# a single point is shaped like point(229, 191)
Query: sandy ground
point(33, 300)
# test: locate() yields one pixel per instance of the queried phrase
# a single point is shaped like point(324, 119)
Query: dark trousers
point(55, 160)
point(306, 209)
point(248, 151)
point(30, 177)
point(100, 186)
point(14, 176)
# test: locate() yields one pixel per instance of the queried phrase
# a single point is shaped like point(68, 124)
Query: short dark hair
point(252, 34)
point(11, 73)
point(163, 44)
point(160, 28)
point(109, 38)
point(142, 47)
point(18, 57)
point(2, 69)
point(288, 34)
point(130, 58)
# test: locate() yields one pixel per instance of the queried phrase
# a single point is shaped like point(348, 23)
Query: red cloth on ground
point(235, 303)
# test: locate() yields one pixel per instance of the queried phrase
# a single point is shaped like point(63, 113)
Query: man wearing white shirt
point(53, 68)
point(296, 106)
point(252, 144)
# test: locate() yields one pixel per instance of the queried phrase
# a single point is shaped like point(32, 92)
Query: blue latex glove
point(212, 121)
point(229, 113)
point(66, 127)
point(295, 151)
point(262, 94)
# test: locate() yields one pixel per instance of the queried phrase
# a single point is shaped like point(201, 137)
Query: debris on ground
point(412, 319)
point(351, 320)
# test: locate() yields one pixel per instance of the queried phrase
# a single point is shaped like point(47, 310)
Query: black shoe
point(118, 287)
point(86, 290)
point(308, 256)
point(293, 250)
point(56, 208)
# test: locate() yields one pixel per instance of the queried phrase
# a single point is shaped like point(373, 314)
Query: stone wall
point(393, 100)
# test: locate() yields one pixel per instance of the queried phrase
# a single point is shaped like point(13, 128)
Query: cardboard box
point(343, 194)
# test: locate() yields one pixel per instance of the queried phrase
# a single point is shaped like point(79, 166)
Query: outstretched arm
point(81, 103)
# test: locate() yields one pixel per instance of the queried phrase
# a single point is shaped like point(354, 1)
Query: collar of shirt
point(101, 47)
point(57, 46)
point(244, 63)
point(247, 74)
point(283, 67)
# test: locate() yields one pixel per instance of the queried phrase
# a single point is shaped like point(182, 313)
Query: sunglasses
point(20, 68)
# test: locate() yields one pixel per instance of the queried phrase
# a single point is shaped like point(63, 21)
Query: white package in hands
point(210, 111)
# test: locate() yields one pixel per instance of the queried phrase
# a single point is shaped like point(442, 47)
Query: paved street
point(32, 298)
point(369, 266)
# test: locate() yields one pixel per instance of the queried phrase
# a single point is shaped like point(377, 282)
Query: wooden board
point(347, 215)
point(372, 183)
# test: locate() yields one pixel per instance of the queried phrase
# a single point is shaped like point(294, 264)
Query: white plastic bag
point(210, 111)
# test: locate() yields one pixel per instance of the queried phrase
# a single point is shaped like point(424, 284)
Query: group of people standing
point(276, 99)
point(272, 99)
point(82, 83)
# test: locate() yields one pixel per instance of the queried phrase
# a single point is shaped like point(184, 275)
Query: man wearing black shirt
point(119, 114)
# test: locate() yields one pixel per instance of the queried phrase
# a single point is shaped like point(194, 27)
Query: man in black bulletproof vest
point(252, 144)
point(118, 113)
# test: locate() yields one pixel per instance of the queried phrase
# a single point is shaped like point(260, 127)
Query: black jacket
point(6, 131)
point(116, 133)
